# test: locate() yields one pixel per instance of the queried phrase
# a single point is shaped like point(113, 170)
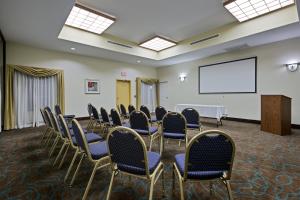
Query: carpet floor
point(266, 166)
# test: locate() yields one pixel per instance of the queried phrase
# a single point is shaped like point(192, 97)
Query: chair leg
point(71, 165)
point(173, 178)
point(151, 140)
point(229, 189)
point(179, 143)
point(59, 154)
point(90, 182)
point(47, 142)
point(45, 134)
point(210, 188)
point(111, 184)
point(63, 158)
point(163, 181)
point(76, 171)
point(181, 184)
point(53, 146)
point(161, 145)
point(151, 188)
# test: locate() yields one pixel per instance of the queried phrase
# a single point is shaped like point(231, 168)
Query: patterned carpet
point(266, 166)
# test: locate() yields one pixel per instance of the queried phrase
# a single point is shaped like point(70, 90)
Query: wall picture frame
point(92, 86)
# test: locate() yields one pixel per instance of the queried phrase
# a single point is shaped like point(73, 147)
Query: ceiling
point(137, 20)
point(38, 23)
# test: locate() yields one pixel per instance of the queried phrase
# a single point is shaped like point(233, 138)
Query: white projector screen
point(237, 76)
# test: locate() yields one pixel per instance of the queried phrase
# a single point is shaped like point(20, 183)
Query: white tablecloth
point(211, 111)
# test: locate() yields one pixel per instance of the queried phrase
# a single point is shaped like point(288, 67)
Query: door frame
point(123, 80)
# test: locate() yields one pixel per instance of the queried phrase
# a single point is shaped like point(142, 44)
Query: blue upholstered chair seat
point(126, 124)
point(98, 150)
point(174, 135)
point(201, 175)
point(192, 125)
point(153, 161)
point(90, 137)
point(152, 130)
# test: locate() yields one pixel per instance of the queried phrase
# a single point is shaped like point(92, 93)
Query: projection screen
point(237, 76)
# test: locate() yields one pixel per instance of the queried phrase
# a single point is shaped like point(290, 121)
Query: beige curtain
point(9, 114)
point(138, 89)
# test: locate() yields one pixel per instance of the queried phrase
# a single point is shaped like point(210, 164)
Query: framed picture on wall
point(92, 86)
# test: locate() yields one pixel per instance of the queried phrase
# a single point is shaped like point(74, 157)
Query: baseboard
point(253, 121)
point(82, 118)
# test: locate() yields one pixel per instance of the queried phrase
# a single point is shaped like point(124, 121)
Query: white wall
point(77, 69)
point(272, 78)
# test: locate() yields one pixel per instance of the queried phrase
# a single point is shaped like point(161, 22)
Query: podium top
point(275, 95)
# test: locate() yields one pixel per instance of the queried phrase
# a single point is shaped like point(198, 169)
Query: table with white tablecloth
point(209, 111)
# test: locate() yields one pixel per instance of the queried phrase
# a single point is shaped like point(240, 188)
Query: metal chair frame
point(152, 178)
point(183, 179)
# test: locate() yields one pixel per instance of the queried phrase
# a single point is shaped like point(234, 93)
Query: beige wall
point(77, 69)
point(272, 78)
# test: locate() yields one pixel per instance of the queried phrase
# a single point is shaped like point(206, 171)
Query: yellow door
point(123, 92)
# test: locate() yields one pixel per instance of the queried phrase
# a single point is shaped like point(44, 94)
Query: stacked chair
point(116, 119)
point(160, 112)
point(131, 108)
point(105, 120)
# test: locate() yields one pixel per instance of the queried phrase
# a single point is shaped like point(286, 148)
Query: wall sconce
point(182, 77)
point(292, 67)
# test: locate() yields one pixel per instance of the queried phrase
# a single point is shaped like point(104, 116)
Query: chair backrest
point(131, 108)
point(80, 137)
point(160, 112)
point(54, 122)
point(126, 147)
point(104, 115)
point(48, 108)
point(64, 128)
point(48, 118)
point(90, 109)
point(174, 122)
point(191, 115)
point(44, 117)
point(95, 113)
point(123, 109)
point(57, 110)
point(211, 150)
point(146, 111)
point(138, 120)
point(116, 119)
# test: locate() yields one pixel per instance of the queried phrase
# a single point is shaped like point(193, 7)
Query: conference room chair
point(58, 112)
point(148, 114)
point(140, 123)
point(129, 155)
point(51, 133)
point(97, 123)
point(160, 112)
point(123, 112)
point(116, 119)
point(131, 108)
point(91, 118)
point(209, 157)
point(106, 123)
point(69, 140)
point(95, 153)
point(90, 138)
point(174, 128)
point(47, 130)
point(192, 118)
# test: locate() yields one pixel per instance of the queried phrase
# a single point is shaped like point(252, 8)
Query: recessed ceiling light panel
point(88, 19)
point(247, 9)
point(158, 43)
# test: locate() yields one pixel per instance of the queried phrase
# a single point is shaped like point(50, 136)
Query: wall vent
point(119, 44)
point(237, 48)
point(205, 39)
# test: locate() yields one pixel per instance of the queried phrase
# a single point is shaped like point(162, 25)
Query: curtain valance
point(139, 86)
point(9, 115)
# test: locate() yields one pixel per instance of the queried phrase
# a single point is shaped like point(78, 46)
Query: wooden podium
point(276, 114)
